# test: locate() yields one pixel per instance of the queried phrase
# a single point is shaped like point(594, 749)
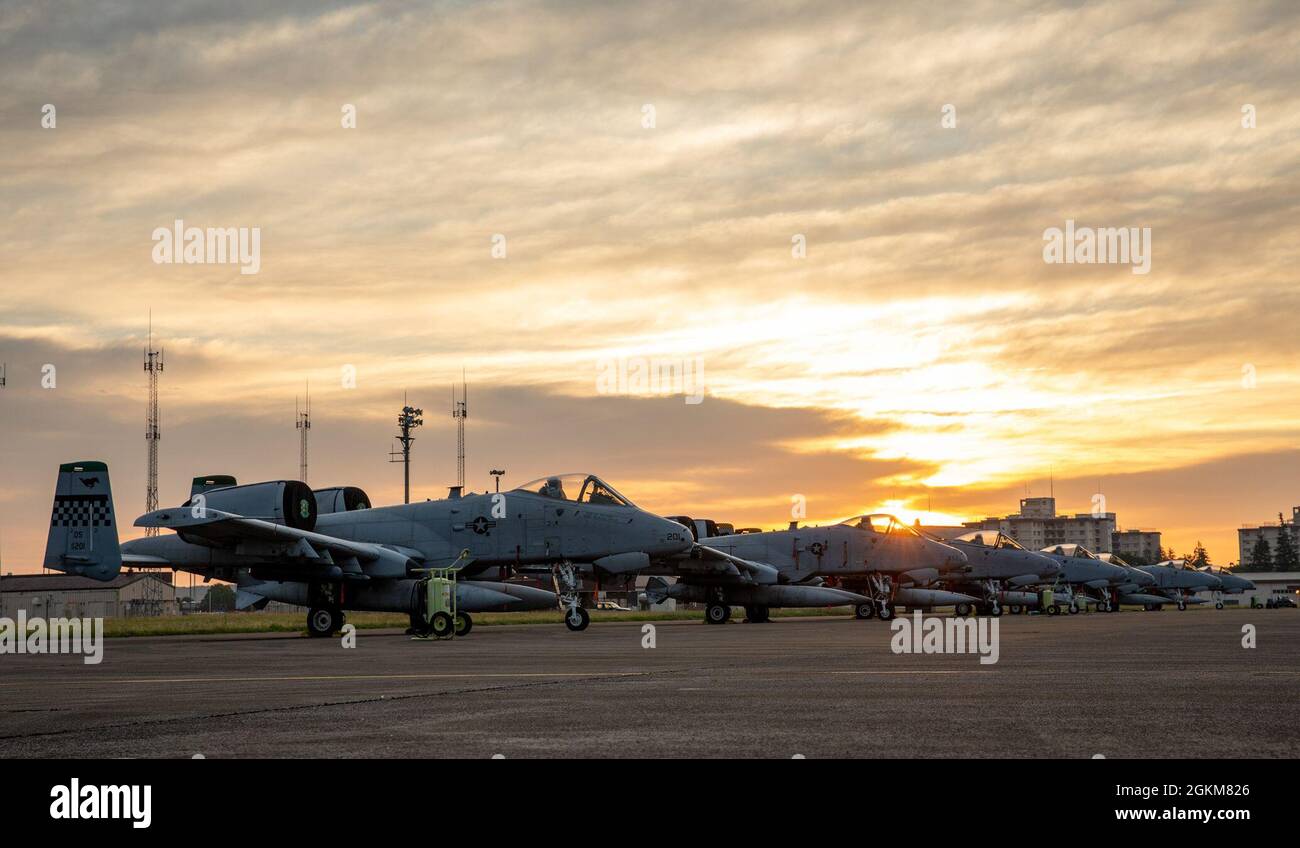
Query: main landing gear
point(325, 621)
point(716, 612)
point(758, 614)
point(325, 610)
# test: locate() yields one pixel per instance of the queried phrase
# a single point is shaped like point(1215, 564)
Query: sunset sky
point(922, 352)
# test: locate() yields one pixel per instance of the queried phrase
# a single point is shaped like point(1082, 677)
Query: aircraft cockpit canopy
point(576, 488)
point(990, 539)
point(880, 523)
point(1072, 550)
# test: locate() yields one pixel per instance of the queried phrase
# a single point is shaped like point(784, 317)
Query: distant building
point(1144, 544)
point(1038, 526)
point(1268, 584)
point(70, 596)
point(1248, 536)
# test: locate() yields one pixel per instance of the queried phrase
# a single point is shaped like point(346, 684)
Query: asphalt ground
point(1130, 684)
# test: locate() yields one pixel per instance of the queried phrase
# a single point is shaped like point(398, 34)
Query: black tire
point(1015, 609)
point(962, 609)
point(995, 611)
point(441, 625)
point(464, 624)
point(886, 611)
point(577, 619)
point(716, 613)
point(1218, 605)
point(323, 621)
point(1054, 609)
point(864, 611)
point(757, 614)
point(1182, 605)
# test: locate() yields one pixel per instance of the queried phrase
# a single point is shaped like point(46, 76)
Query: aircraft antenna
point(303, 423)
point(153, 366)
point(408, 420)
point(460, 411)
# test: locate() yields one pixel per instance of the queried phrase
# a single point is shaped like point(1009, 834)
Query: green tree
point(221, 598)
point(1199, 558)
point(1285, 557)
point(1261, 556)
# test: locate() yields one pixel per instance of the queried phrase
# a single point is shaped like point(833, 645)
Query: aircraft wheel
point(441, 625)
point(1218, 605)
point(995, 611)
point(716, 613)
point(1182, 605)
point(1015, 609)
point(323, 621)
point(577, 619)
point(1054, 609)
point(463, 624)
point(886, 612)
point(962, 609)
point(864, 611)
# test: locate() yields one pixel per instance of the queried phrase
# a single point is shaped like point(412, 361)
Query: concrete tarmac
point(1130, 684)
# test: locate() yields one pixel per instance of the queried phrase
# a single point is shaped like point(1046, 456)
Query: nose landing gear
point(575, 617)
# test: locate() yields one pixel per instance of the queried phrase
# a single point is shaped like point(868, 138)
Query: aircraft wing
point(260, 538)
point(758, 572)
point(144, 560)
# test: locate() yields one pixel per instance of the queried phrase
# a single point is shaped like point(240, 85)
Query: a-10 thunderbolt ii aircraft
point(331, 551)
point(1138, 588)
point(1179, 583)
point(878, 561)
point(1230, 584)
point(995, 562)
point(1081, 571)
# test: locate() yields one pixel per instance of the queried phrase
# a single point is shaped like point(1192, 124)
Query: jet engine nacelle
point(288, 502)
point(340, 499)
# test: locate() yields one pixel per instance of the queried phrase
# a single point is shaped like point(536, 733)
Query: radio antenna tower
point(153, 366)
point(460, 411)
point(406, 422)
point(303, 423)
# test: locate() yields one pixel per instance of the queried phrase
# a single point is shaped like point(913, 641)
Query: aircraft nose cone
point(953, 557)
point(672, 537)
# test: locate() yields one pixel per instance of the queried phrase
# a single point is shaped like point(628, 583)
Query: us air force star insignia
point(481, 525)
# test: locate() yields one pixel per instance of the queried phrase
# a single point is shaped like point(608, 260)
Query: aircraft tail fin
point(83, 528)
